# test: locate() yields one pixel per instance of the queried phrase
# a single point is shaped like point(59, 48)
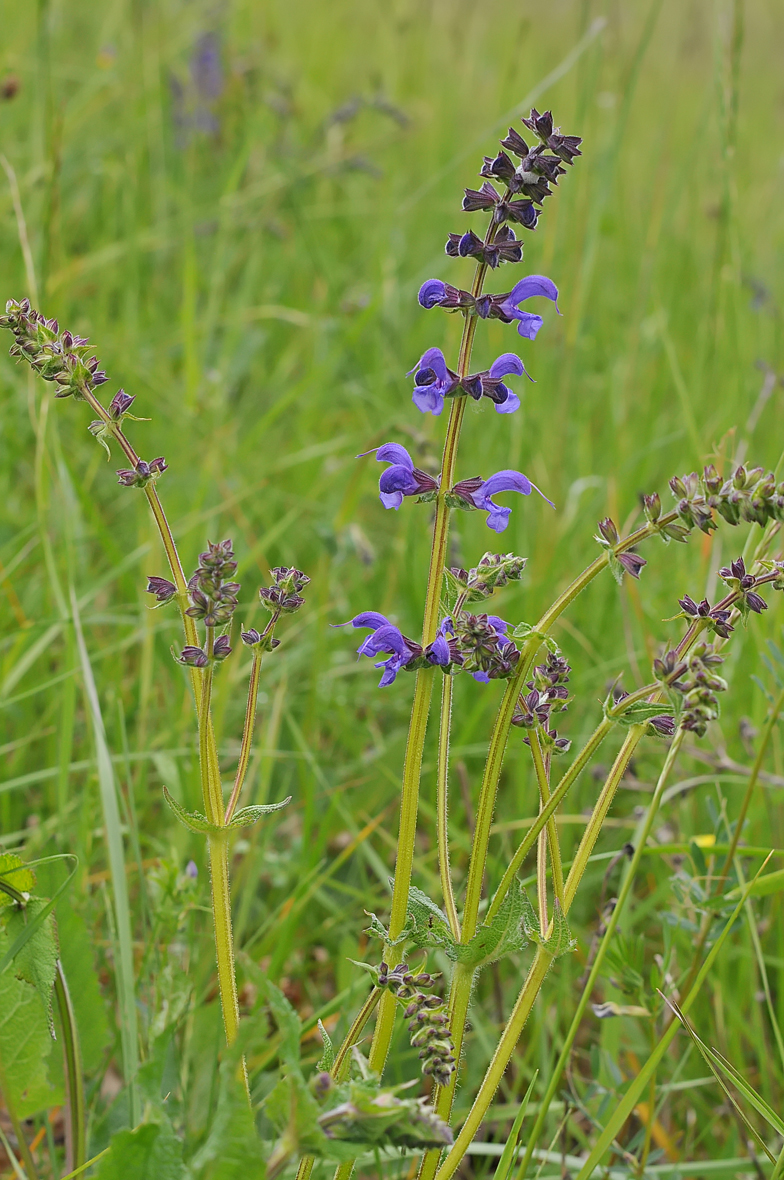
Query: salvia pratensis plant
point(343, 1108)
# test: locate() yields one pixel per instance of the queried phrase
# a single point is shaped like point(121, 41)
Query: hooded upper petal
point(432, 359)
point(368, 618)
point(439, 652)
point(504, 481)
point(431, 293)
point(505, 364)
point(394, 453)
point(534, 285)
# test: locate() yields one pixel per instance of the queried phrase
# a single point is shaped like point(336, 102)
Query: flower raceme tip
point(435, 381)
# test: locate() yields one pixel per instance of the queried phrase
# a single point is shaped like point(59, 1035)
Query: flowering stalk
point(420, 709)
point(64, 359)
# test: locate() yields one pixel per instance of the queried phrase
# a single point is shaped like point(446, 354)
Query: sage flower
point(401, 478)
point(433, 382)
point(478, 493)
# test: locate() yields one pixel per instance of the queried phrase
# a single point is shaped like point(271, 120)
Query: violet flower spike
point(508, 308)
point(478, 494)
point(433, 381)
point(402, 478)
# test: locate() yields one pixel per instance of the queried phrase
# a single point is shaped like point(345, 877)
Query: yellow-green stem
point(579, 764)
point(75, 1128)
point(552, 834)
point(623, 897)
point(442, 808)
point(247, 734)
point(495, 1070)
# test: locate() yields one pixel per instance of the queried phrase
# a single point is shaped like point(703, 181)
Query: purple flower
point(385, 637)
point(478, 493)
point(433, 381)
point(490, 384)
point(431, 293)
point(191, 870)
point(507, 308)
point(402, 478)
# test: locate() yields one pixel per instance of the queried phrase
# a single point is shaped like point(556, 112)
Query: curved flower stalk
point(208, 599)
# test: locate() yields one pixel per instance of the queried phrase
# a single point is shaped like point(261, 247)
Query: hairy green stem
point(75, 1126)
point(247, 734)
point(495, 1070)
point(442, 808)
point(212, 792)
point(579, 764)
point(623, 897)
point(552, 834)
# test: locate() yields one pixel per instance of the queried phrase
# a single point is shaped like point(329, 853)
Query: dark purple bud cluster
point(669, 670)
point(547, 694)
point(212, 596)
point(627, 559)
point(698, 688)
point(737, 579)
point(427, 1019)
point(527, 184)
point(750, 494)
point(483, 647)
point(717, 620)
point(142, 474)
point(493, 572)
point(505, 247)
point(284, 596)
point(196, 657)
point(261, 639)
point(56, 356)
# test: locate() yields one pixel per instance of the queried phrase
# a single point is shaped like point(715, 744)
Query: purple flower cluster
point(434, 382)
point(477, 644)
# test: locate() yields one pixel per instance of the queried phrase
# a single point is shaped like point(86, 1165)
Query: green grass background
point(248, 266)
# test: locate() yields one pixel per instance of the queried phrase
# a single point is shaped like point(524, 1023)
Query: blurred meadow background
point(237, 203)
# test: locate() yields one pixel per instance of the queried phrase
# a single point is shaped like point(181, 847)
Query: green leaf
point(327, 1059)
point(232, 1147)
point(241, 819)
point(502, 937)
point(287, 1020)
point(36, 959)
point(192, 819)
point(17, 875)
point(636, 714)
point(560, 941)
point(24, 1046)
point(427, 923)
point(526, 631)
point(249, 815)
point(716, 1062)
point(769, 883)
point(615, 567)
point(294, 1113)
point(152, 1150)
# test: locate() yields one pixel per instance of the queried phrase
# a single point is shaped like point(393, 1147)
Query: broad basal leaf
point(25, 1041)
point(152, 1150)
point(37, 958)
